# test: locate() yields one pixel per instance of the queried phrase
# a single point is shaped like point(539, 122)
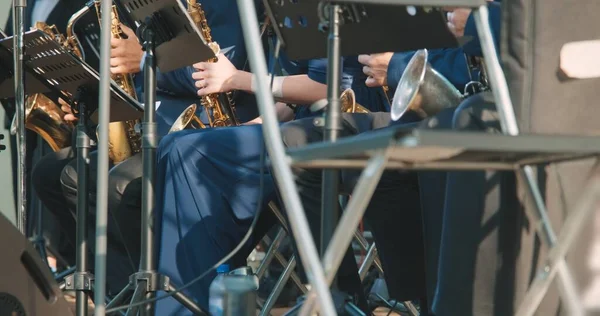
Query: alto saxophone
point(219, 107)
point(123, 139)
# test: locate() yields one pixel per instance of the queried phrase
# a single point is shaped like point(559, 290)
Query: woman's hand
point(126, 53)
point(214, 77)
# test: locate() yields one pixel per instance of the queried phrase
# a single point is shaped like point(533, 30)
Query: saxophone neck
point(71, 40)
point(197, 13)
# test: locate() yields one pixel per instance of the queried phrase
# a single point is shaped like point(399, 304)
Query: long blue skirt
point(208, 192)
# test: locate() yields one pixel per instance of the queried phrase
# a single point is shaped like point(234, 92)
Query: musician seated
point(55, 175)
point(207, 192)
point(60, 233)
point(209, 182)
point(392, 193)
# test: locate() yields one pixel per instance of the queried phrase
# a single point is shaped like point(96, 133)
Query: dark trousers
point(55, 181)
point(47, 186)
point(394, 213)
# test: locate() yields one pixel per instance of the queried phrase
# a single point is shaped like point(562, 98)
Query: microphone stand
point(19, 30)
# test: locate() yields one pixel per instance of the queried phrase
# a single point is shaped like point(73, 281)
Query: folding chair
point(289, 265)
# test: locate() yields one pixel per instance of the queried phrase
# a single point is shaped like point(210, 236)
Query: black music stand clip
point(164, 27)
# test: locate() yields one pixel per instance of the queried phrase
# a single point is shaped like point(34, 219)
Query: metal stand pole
point(149, 144)
point(147, 281)
point(81, 281)
point(281, 169)
point(19, 29)
point(330, 190)
point(331, 177)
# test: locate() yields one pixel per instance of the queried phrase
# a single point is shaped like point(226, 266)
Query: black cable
point(244, 240)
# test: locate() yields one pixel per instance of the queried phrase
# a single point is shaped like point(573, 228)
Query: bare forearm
point(298, 89)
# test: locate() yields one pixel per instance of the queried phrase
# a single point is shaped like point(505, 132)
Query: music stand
point(164, 27)
point(51, 66)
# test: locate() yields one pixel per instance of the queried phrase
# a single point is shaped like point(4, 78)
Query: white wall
point(7, 206)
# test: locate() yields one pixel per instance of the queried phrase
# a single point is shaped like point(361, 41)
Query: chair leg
point(272, 248)
point(556, 264)
point(283, 278)
point(370, 249)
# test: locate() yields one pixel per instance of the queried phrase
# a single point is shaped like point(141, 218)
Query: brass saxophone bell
point(187, 120)
point(45, 118)
point(423, 90)
point(349, 105)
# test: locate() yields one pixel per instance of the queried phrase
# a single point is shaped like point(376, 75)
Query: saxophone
point(220, 107)
point(123, 139)
point(42, 115)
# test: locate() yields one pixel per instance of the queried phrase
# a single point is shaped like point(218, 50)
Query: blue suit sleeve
point(473, 47)
point(449, 62)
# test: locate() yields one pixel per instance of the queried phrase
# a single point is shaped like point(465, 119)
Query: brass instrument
point(423, 90)
point(349, 105)
point(187, 120)
point(123, 140)
point(42, 115)
point(220, 107)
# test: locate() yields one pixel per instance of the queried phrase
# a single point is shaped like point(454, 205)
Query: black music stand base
point(147, 281)
point(342, 302)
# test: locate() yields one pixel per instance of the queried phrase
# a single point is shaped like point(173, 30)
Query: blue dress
point(209, 191)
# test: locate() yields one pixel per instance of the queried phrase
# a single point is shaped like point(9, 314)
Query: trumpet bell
point(187, 120)
point(423, 90)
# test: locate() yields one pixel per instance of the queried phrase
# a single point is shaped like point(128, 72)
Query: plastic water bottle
point(217, 291)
